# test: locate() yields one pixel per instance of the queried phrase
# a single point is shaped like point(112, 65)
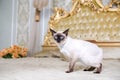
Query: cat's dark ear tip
point(66, 31)
point(52, 31)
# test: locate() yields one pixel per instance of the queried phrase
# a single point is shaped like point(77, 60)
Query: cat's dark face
point(59, 37)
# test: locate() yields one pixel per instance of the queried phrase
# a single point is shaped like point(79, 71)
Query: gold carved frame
point(88, 20)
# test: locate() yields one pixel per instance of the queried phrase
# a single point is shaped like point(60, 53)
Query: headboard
point(88, 20)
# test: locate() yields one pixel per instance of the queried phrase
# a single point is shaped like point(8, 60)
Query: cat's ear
point(52, 31)
point(66, 31)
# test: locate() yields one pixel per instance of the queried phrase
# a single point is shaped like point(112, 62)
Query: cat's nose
point(58, 41)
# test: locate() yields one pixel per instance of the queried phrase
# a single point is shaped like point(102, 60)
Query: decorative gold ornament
point(89, 20)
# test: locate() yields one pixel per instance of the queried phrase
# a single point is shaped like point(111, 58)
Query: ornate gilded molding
point(110, 5)
point(61, 13)
point(91, 19)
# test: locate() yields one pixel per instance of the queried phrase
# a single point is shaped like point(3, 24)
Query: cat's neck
point(61, 45)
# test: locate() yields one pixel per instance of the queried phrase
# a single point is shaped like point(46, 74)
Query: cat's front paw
point(69, 71)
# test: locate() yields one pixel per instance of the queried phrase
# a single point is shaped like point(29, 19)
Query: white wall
point(5, 23)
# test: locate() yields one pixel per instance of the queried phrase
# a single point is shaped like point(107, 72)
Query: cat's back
point(78, 42)
point(83, 45)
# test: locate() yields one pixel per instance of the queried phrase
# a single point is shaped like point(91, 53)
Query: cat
point(79, 50)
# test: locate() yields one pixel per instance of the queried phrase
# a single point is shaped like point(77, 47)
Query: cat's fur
point(88, 53)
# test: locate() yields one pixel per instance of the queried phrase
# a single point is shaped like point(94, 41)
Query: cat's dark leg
point(99, 69)
point(90, 69)
point(71, 65)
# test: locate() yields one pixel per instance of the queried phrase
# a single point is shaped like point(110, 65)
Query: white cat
point(88, 53)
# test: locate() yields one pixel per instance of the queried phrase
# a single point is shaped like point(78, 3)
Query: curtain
point(39, 29)
point(34, 39)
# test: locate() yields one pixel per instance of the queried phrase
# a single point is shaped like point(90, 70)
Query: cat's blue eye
point(55, 37)
point(61, 37)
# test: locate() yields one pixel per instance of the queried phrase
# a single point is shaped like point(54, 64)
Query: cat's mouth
point(58, 41)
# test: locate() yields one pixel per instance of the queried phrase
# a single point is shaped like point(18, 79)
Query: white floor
point(53, 69)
